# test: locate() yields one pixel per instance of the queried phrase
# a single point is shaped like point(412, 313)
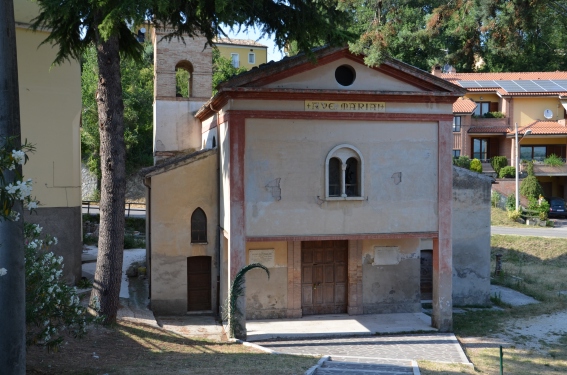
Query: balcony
point(490, 122)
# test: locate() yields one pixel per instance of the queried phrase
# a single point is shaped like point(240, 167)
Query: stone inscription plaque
point(326, 106)
point(386, 255)
point(265, 257)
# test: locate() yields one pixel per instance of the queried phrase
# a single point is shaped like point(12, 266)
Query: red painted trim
point(361, 116)
point(237, 239)
point(374, 236)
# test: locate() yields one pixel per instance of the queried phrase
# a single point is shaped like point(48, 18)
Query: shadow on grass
point(134, 349)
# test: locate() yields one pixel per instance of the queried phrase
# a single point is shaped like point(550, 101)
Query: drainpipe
point(148, 183)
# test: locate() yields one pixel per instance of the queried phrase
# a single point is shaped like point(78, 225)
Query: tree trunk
point(108, 274)
point(12, 285)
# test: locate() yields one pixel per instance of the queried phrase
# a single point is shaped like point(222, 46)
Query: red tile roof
point(454, 77)
point(543, 128)
point(464, 105)
point(240, 42)
point(489, 129)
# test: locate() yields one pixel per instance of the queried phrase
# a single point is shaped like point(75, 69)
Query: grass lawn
point(133, 349)
point(537, 267)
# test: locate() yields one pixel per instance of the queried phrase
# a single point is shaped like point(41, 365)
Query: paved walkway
point(320, 326)
point(437, 347)
point(560, 232)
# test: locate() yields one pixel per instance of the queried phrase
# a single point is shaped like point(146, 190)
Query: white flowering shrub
point(19, 190)
point(52, 306)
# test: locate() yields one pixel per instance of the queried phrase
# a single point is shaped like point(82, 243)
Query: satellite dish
point(548, 114)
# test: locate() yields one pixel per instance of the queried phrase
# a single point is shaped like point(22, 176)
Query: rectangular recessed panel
point(469, 84)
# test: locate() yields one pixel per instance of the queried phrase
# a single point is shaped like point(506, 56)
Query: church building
point(330, 173)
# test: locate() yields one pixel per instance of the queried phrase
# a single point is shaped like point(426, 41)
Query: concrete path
point(560, 232)
point(318, 326)
point(510, 296)
point(436, 347)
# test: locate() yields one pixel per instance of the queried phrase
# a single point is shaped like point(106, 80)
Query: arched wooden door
point(199, 283)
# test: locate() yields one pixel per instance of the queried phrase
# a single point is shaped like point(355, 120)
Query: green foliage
point(476, 166)
point(495, 198)
point(511, 202)
point(223, 69)
point(530, 168)
point(553, 160)
point(12, 157)
point(494, 115)
point(514, 215)
point(539, 206)
point(462, 161)
point(502, 35)
point(182, 83)
point(498, 162)
point(52, 306)
point(137, 86)
point(231, 312)
point(507, 172)
point(133, 242)
point(530, 187)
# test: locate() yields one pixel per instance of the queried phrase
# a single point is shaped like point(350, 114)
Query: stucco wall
point(295, 151)
point(392, 287)
point(175, 128)
point(323, 77)
point(528, 110)
point(267, 298)
point(50, 108)
point(175, 195)
point(471, 238)
point(261, 54)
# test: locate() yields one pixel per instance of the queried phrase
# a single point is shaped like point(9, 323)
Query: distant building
point(50, 108)
point(535, 101)
point(243, 52)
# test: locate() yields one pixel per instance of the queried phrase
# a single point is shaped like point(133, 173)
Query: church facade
point(334, 175)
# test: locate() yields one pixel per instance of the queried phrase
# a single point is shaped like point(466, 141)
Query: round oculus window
point(345, 75)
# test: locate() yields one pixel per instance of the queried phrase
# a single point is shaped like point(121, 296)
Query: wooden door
point(198, 283)
point(426, 274)
point(324, 277)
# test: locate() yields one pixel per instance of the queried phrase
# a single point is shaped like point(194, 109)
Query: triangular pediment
point(301, 73)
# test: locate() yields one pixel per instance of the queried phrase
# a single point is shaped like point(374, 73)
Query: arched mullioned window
point(184, 79)
point(198, 226)
point(343, 172)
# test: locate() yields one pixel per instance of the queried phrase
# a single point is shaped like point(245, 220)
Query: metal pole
point(517, 164)
point(501, 361)
point(12, 283)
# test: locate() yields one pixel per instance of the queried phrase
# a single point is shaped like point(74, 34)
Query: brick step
point(353, 368)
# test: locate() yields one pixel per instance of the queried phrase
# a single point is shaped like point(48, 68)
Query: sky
point(273, 52)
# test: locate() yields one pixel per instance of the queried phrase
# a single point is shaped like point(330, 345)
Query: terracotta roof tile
point(489, 129)
point(543, 128)
point(503, 76)
point(464, 105)
point(241, 42)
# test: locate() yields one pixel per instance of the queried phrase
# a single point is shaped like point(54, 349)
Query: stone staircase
point(363, 366)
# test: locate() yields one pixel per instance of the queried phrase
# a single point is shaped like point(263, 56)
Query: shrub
point(498, 162)
point(540, 206)
point(511, 202)
point(530, 187)
point(462, 161)
point(495, 198)
point(494, 115)
point(553, 161)
point(476, 166)
point(507, 172)
point(514, 215)
point(530, 168)
point(52, 306)
point(132, 242)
